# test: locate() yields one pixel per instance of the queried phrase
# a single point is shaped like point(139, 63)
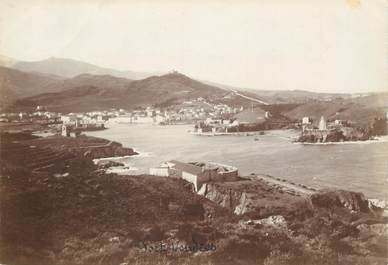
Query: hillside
point(254, 115)
point(294, 96)
point(113, 219)
point(282, 96)
point(68, 68)
point(373, 99)
point(15, 84)
point(86, 93)
point(362, 114)
point(103, 81)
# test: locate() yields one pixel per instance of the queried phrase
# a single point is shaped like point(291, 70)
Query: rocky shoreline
point(332, 137)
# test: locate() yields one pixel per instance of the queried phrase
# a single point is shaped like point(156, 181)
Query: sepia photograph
point(194, 132)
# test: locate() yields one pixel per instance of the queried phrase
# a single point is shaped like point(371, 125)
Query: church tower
point(322, 124)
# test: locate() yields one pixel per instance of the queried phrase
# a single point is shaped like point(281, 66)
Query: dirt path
point(249, 98)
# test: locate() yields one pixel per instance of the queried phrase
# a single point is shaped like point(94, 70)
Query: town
point(189, 112)
point(193, 132)
point(208, 119)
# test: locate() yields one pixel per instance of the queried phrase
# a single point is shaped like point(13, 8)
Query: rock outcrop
point(276, 221)
point(105, 164)
point(110, 150)
point(353, 201)
point(235, 200)
point(257, 199)
point(250, 197)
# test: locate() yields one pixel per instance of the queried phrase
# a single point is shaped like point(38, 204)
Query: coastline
point(252, 133)
point(139, 208)
point(225, 133)
point(380, 139)
point(153, 143)
point(129, 170)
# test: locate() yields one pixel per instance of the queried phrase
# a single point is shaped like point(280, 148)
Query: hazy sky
point(328, 45)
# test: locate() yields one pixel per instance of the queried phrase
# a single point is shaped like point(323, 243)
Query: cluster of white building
point(149, 115)
point(83, 121)
point(36, 116)
point(188, 111)
point(200, 109)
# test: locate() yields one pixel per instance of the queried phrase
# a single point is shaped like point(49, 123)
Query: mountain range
point(87, 93)
point(15, 84)
point(67, 85)
point(68, 68)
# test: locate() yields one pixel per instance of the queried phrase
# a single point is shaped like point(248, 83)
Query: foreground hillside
point(75, 213)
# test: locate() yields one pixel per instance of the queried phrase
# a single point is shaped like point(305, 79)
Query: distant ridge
point(15, 84)
point(89, 92)
point(68, 68)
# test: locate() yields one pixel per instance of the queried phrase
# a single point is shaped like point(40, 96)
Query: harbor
point(360, 167)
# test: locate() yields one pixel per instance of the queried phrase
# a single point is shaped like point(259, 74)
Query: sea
point(357, 166)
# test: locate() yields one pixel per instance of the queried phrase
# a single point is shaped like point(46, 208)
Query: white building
point(306, 120)
point(159, 119)
point(69, 119)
